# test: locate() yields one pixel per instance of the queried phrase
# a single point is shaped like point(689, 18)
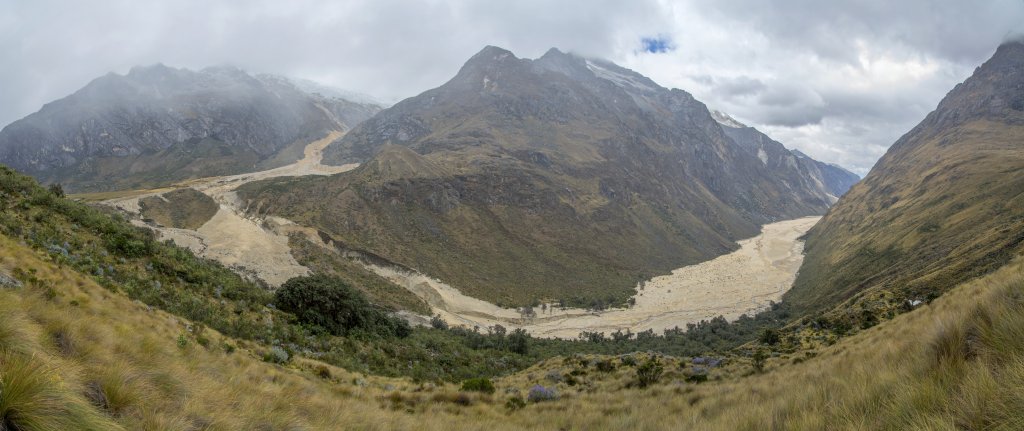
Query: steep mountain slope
point(795, 167)
point(945, 203)
point(560, 178)
point(158, 124)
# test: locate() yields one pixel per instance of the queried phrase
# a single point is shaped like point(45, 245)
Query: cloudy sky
point(838, 80)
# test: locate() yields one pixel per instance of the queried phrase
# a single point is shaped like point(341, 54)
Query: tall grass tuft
point(33, 397)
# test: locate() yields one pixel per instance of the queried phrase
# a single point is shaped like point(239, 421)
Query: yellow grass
point(97, 358)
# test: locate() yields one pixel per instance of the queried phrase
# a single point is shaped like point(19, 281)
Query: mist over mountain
point(157, 124)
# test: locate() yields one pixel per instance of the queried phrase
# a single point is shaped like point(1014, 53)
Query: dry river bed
point(244, 244)
point(744, 281)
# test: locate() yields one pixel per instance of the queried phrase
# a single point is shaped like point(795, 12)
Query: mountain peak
point(992, 91)
point(726, 120)
point(151, 70)
point(491, 53)
point(1008, 54)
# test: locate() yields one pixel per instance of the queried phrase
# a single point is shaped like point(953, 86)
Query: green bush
point(479, 384)
point(649, 372)
point(758, 359)
point(770, 336)
point(329, 303)
point(515, 403)
point(277, 355)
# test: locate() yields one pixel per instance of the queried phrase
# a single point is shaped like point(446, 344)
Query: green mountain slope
point(945, 204)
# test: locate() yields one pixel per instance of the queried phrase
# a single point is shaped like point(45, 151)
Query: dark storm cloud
point(387, 48)
point(838, 80)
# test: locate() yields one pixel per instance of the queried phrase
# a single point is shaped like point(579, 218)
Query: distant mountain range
point(560, 178)
point(794, 166)
point(943, 205)
point(157, 125)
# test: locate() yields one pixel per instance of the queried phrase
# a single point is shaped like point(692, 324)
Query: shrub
point(697, 375)
point(323, 372)
point(604, 366)
point(515, 403)
point(770, 336)
point(628, 360)
point(649, 372)
point(57, 190)
point(539, 393)
point(330, 303)
point(479, 384)
point(519, 341)
point(697, 378)
point(438, 323)
point(276, 355)
point(182, 341)
point(759, 357)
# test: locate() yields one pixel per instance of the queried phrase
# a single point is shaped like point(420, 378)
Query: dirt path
point(229, 237)
point(740, 282)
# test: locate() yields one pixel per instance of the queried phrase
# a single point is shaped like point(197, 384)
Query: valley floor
point(742, 282)
point(232, 238)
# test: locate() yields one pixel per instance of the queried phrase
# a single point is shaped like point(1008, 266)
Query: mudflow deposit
point(741, 282)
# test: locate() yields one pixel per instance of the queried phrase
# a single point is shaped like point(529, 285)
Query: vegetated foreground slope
point(560, 178)
point(129, 261)
point(945, 203)
point(74, 355)
point(157, 125)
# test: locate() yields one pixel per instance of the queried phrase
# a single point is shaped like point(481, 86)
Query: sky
point(840, 81)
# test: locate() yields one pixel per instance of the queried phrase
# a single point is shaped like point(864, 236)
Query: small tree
point(519, 341)
point(649, 372)
point(479, 384)
point(760, 356)
point(770, 336)
point(330, 303)
point(57, 190)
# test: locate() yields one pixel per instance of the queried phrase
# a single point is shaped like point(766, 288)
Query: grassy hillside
point(182, 208)
point(127, 261)
point(73, 356)
point(944, 205)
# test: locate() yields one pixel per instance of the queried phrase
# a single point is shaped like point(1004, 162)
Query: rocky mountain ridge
point(830, 180)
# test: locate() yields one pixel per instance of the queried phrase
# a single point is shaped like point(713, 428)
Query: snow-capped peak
point(620, 79)
point(725, 120)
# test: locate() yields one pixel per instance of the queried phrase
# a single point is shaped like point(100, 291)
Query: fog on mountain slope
point(556, 179)
point(157, 125)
